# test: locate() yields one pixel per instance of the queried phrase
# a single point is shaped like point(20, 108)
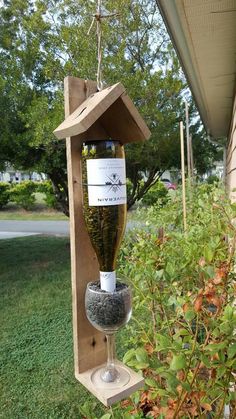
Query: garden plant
point(4, 194)
point(182, 336)
point(47, 189)
point(156, 195)
point(23, 194)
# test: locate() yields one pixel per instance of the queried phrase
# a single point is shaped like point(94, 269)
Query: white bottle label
point(106, 182)
point(108, 281)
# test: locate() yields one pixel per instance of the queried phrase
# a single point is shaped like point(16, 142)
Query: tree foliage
point(43, 41)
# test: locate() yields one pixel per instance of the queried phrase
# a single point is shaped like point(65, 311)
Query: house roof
point(109, 111)
point(204, 35)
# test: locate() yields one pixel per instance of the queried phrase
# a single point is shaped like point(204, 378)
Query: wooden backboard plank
point(89, 344)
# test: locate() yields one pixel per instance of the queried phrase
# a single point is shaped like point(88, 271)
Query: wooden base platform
point(109, 397)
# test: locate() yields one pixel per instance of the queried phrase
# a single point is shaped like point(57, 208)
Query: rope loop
point(98, 16)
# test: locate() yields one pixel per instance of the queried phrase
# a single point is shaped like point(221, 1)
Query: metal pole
point(183, 174)
point(187, 138)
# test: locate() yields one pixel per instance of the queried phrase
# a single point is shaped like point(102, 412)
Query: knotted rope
point(98, 18)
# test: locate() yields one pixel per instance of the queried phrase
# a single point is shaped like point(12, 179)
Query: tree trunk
point(137, 191)
point(61, 190)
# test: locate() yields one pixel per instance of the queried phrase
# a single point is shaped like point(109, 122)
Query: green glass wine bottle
point(104, 203)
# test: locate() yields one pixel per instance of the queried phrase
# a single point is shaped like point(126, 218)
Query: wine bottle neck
point(108, 281)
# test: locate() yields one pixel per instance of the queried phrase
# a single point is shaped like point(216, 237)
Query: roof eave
point(172, 22)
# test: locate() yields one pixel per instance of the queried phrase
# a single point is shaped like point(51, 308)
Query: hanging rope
point(98, 18)
point(99, 39)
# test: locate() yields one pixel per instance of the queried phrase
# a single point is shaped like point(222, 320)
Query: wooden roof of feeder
point(109, 112)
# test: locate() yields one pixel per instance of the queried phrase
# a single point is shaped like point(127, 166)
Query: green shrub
point(156, 195)
point(129, 187)
point(212, 179)
point(4, 194)
point(182, 334)
point(49, 194)
point(23, 194)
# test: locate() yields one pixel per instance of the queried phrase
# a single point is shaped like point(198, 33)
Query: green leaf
point(162, 392)
point(186, 386)
point(141, 355)
point(172, 382)
point(150, 262)
point(232, 395)
point(159, 274)
point(135, 397)
point(151, 382)
point(208, 254)
point(189, 315)
point(128, 356)
point(221, 370)
point(216, 347)
point(231, 363)
point(178, 362)
point(231, 351)
point(127, 414)
point(106, 416)
point(221, 355)
point(183, 332)
point(206, 361)
point(163, 342)
point(209, 270)
point(141, 365)
point(225, 327)
point(161, 369)
point(228, 312)
point(177, 345)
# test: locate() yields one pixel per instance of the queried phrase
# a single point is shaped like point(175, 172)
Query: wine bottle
point(104, 203)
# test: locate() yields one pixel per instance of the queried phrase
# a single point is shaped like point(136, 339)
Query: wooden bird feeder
point(92, 115)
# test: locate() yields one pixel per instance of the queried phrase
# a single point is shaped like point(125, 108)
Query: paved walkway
point(12, 234)
point(33, 227)
point(11, 229)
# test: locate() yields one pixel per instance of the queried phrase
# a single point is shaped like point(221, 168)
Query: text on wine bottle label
point(106, 182)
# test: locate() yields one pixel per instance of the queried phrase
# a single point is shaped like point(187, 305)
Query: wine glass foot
point(103, 378)
point(109, 375)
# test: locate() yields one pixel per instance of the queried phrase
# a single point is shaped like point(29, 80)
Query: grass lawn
point(36, 350)
point(39, 212)
point(37, 215)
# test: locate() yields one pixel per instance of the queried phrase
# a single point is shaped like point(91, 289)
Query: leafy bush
point(23, 194)
point(212, 179)
point(129, 187)
point(157, 195)
point(182, 334)
point(47, 189)
point(4, 194)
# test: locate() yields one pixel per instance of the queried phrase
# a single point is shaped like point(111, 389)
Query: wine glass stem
point(110, 352)
point(110, 373)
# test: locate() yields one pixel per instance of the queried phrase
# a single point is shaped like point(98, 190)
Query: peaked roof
point(110, 108)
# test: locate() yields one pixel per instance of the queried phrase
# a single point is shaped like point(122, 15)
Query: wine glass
point(108, 312)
